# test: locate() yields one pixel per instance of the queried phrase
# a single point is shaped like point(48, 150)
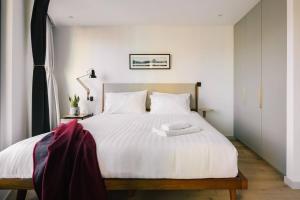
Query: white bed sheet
point(127, 148)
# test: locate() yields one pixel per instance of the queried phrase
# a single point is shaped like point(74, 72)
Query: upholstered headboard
point(175, 88)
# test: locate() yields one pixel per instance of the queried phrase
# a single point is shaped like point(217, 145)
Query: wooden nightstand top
point(82, 116)
point(206, 109)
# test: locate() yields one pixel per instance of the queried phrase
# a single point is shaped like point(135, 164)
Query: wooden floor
point(265, 183)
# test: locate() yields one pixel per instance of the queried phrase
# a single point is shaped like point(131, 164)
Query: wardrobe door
point(248, 79)
point(239, 73)
point(252, 80)
point(274, 82)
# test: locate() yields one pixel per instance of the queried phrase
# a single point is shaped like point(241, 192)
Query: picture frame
point(149, 61)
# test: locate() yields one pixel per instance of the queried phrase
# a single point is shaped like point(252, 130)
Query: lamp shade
point(93, 74)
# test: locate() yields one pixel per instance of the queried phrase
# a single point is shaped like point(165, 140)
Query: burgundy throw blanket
point(66, 165)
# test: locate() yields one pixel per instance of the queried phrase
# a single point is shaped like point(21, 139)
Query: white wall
point(198, 54)
point(293, 95)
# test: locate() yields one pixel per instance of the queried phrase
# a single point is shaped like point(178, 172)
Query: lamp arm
point(84, 86)
point(82, 76)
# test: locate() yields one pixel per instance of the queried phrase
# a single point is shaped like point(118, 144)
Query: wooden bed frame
point(232, 184)
point(239, 182)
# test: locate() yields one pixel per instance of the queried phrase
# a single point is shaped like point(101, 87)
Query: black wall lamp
point(91, 74)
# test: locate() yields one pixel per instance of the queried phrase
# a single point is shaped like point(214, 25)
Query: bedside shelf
point(204, 111)
point(82, 116)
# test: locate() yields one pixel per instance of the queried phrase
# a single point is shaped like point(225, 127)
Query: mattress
point(127, 148)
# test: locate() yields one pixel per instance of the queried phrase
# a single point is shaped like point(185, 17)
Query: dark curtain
point(40, 107)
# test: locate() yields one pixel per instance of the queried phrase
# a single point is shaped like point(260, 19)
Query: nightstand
point(204, 111)
point(67, 118)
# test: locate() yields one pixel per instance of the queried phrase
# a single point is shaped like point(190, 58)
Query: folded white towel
point(175, 126)
point(170, 133)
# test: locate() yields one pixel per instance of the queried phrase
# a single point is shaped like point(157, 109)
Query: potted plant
point(74, 109)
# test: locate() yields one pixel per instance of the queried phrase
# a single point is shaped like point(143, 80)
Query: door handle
point(260, 97)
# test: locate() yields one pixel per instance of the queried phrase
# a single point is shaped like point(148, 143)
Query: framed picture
point(149, 61)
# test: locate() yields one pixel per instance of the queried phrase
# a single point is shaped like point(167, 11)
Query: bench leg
point(233, 195)
point(21, 194)
point(131, 193)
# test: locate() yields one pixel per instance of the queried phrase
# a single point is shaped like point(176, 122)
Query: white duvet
point(127, 148)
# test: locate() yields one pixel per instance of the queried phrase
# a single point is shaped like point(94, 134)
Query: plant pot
point(74, 111)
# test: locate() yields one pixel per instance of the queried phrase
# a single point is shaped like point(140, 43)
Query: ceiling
point(148, 12)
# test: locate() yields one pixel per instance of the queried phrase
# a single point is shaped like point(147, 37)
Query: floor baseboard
point(292, 184)
point(231, 137)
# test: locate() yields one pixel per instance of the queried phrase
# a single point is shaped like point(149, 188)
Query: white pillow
point(185, 96)
point(165, 103)
point(125, 102)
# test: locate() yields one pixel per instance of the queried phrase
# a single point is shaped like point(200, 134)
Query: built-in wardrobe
point(260, 81)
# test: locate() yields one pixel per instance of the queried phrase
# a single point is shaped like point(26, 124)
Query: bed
point(127, 150)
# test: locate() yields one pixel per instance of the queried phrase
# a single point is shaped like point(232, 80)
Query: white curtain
point(51, 81)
